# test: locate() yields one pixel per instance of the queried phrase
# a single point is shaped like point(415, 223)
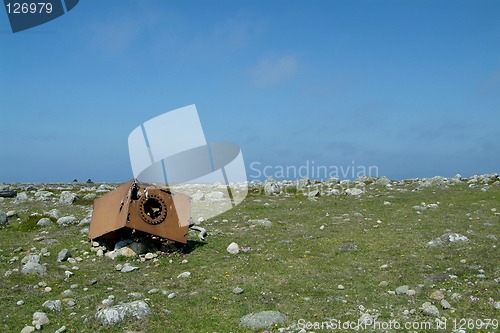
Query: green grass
point(293, 266)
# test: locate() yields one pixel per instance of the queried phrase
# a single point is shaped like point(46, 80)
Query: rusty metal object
point(135, 206)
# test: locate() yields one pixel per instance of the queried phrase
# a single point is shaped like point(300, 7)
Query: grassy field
point(295, 266)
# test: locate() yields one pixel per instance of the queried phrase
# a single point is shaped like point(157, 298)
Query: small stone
point(437, 295)
point(119, 267)
point(128, 268)
point(44, 221)
point(171, 295)
point(184, 275)
point(66, 220)
point(67, 198)
point(340, 287)
point(237, 290)
point(184, 261)
point(53, 305)
point(62, 329)
point(149, 256)
point(100, 253)
point(430, 310)
point(135, 310)
point(402, 290)
point(411, 292)
point(68, 274)
point(28, 329)
point(63, 255)
point(40, 318)
point(153, 291)
point(348, 247)
point(233, 248)
point(47, 289)
point(262, 319)
point(383, 284)
point(445, 304)
point(21, 302)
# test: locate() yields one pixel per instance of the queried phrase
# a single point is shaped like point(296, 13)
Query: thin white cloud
point(272, 71)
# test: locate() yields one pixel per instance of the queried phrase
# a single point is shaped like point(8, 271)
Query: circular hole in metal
point(153, 209)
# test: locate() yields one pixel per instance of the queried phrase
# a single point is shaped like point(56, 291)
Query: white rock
point(233, 248)
point(184, 275)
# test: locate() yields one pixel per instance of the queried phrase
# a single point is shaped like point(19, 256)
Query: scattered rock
point(383, 284)
point(437, 277)
point(171, 295)
point(6, 193)
point(63, 255)
point(43, 222)
point(348, 247)
point(53, 305)
point(3, 217)
point(262, 319)
point(233, 248)
point(271, 187)
point(445, 304)
point(34, 268)
point(67, 198)
point(54, 213)
point(62, 329)
point(340, 287)
point(430, 310)
point(237, 290)
point(448, 239)
point(28, 329)
point(264, 222)
point(184, 275)
point(126, 311)
point(34, 258)
point(411, 292)
point(354, 191)
point(66, 220)
point(128, 268)
point(40, 319)
point(402, 290)
point(437, 295)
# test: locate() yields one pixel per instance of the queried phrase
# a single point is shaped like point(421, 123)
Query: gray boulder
point(3, 217)
point(35, 258)
point(34, 268)
point(7, 194)
point(66, 220)
point(53, 305)
point(430, 310)
point(354, 191)
point(262, 319)
point(63, 255)
point(44, 221)
point(126, 311)
point(67, 198)
point(54, 213)
point(448, 239)
point(271, 187)
point(21, 197)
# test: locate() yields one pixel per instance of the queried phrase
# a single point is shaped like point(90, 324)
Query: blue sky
point(412, 87)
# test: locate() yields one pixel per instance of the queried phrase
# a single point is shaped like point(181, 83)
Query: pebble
point(383, 284)
point(21, 302)
point(402, 290)
point(233, 248)
point(445, 304)
point(237, 290)
point(184, 275)
point(437, 295)
point(47, 289)
point(340, 287)
point(171, 295)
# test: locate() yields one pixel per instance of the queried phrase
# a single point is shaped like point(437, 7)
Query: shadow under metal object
point(135, 206)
